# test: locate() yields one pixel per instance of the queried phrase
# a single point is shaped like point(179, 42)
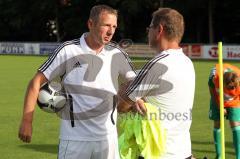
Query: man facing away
point(168, 82)
point(89, 68)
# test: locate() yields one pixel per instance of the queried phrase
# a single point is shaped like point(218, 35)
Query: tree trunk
point(210, 22)
point(161, 3)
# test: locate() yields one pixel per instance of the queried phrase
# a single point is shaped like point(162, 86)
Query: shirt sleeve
point(55, 66)
point(124, 65)
point(211, 77)
point(149, 81)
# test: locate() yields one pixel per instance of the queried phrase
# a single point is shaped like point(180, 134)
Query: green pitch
point(15, 73)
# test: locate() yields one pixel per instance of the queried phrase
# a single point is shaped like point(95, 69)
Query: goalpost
point(220, 61)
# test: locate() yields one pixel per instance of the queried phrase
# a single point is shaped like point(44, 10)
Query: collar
point(86, 48)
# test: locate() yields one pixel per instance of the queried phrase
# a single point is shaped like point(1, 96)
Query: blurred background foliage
point(206, 21)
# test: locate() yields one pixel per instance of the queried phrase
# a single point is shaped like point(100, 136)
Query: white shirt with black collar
point(90, 81)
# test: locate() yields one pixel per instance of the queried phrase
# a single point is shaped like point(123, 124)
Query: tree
point(25, 20)
point(60, 20)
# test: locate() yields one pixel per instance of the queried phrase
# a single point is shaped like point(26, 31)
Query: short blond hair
point(172, 22)
point(98, 9)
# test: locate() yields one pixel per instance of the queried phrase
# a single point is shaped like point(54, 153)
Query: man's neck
point(166, 45)
point(93, 44)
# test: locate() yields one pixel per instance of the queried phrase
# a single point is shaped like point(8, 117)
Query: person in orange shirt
point(231, 86)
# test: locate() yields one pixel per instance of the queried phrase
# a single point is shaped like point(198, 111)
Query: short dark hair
point(172, 22)
point(98, 9)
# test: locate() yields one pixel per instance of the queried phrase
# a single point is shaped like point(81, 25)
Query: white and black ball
point(51, 99)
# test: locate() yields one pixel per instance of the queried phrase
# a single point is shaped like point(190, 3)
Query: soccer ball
point(50, 98)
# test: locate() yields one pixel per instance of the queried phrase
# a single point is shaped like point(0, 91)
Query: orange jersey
point(231, 97)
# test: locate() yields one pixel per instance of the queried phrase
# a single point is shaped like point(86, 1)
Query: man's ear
point(160, 28)
point(90, 23)
point(160, 31)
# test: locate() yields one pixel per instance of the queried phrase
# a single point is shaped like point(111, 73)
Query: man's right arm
point(125, 104)
point(211, 86)
point(25, 129)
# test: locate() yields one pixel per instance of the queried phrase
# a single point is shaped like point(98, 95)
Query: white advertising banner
point(19, 48)
point(12, 48)
point(194, 51)
point(31, 48)
point(47, 48)
point(230, 52)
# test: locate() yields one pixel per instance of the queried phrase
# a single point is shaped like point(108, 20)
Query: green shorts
point(233, 114)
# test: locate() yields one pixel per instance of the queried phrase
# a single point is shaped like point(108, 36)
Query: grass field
point(16, 71)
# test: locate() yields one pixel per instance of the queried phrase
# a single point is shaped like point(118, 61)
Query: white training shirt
point(168, 82)
point(90, 81)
